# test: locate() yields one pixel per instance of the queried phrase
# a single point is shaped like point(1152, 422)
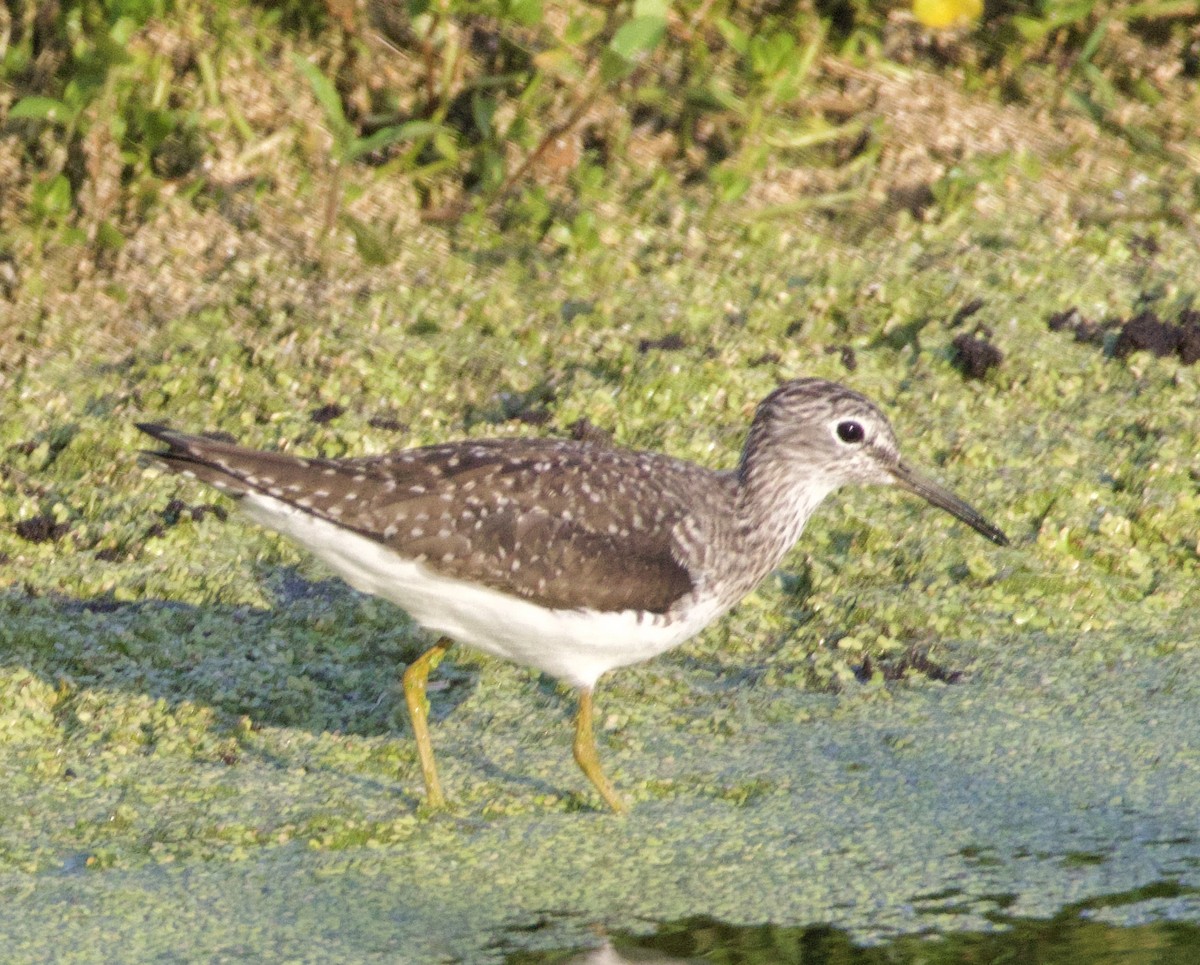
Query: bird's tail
point(225, 465)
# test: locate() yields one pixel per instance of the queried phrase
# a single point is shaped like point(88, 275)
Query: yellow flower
point(940, 14)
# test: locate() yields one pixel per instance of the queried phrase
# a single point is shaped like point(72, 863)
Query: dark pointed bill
point(941, 497)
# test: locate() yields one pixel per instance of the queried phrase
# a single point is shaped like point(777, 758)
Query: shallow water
point(1072, 938)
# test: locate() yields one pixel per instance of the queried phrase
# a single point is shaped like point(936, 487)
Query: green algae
point(203, 749)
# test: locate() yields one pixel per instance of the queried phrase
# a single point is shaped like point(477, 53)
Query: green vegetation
point(520, 106)
point(344, 228)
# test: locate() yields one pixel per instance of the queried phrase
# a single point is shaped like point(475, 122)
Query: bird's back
point(564, 524)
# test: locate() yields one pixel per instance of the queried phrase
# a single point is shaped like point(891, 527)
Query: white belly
point(576, 646)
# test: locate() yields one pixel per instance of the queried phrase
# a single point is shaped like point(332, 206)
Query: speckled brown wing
point(562, 524)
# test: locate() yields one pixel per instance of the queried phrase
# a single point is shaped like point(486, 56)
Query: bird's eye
point(850, 431)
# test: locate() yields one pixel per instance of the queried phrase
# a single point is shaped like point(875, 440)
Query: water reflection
point(607, 954)
point(1065, 940)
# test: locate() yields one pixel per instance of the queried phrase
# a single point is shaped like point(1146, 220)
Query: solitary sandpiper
point(570, 557)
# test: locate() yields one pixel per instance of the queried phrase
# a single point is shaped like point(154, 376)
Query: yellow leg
point(586, 756)
point(418, 712)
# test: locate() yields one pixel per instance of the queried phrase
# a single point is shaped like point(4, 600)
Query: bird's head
point(825, 436)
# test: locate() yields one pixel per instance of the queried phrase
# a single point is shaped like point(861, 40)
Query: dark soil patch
point(975, 356)
point(668, 343)
point(41, 529)
point(1143, 332)
point(912, 661)
point(326, 413)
